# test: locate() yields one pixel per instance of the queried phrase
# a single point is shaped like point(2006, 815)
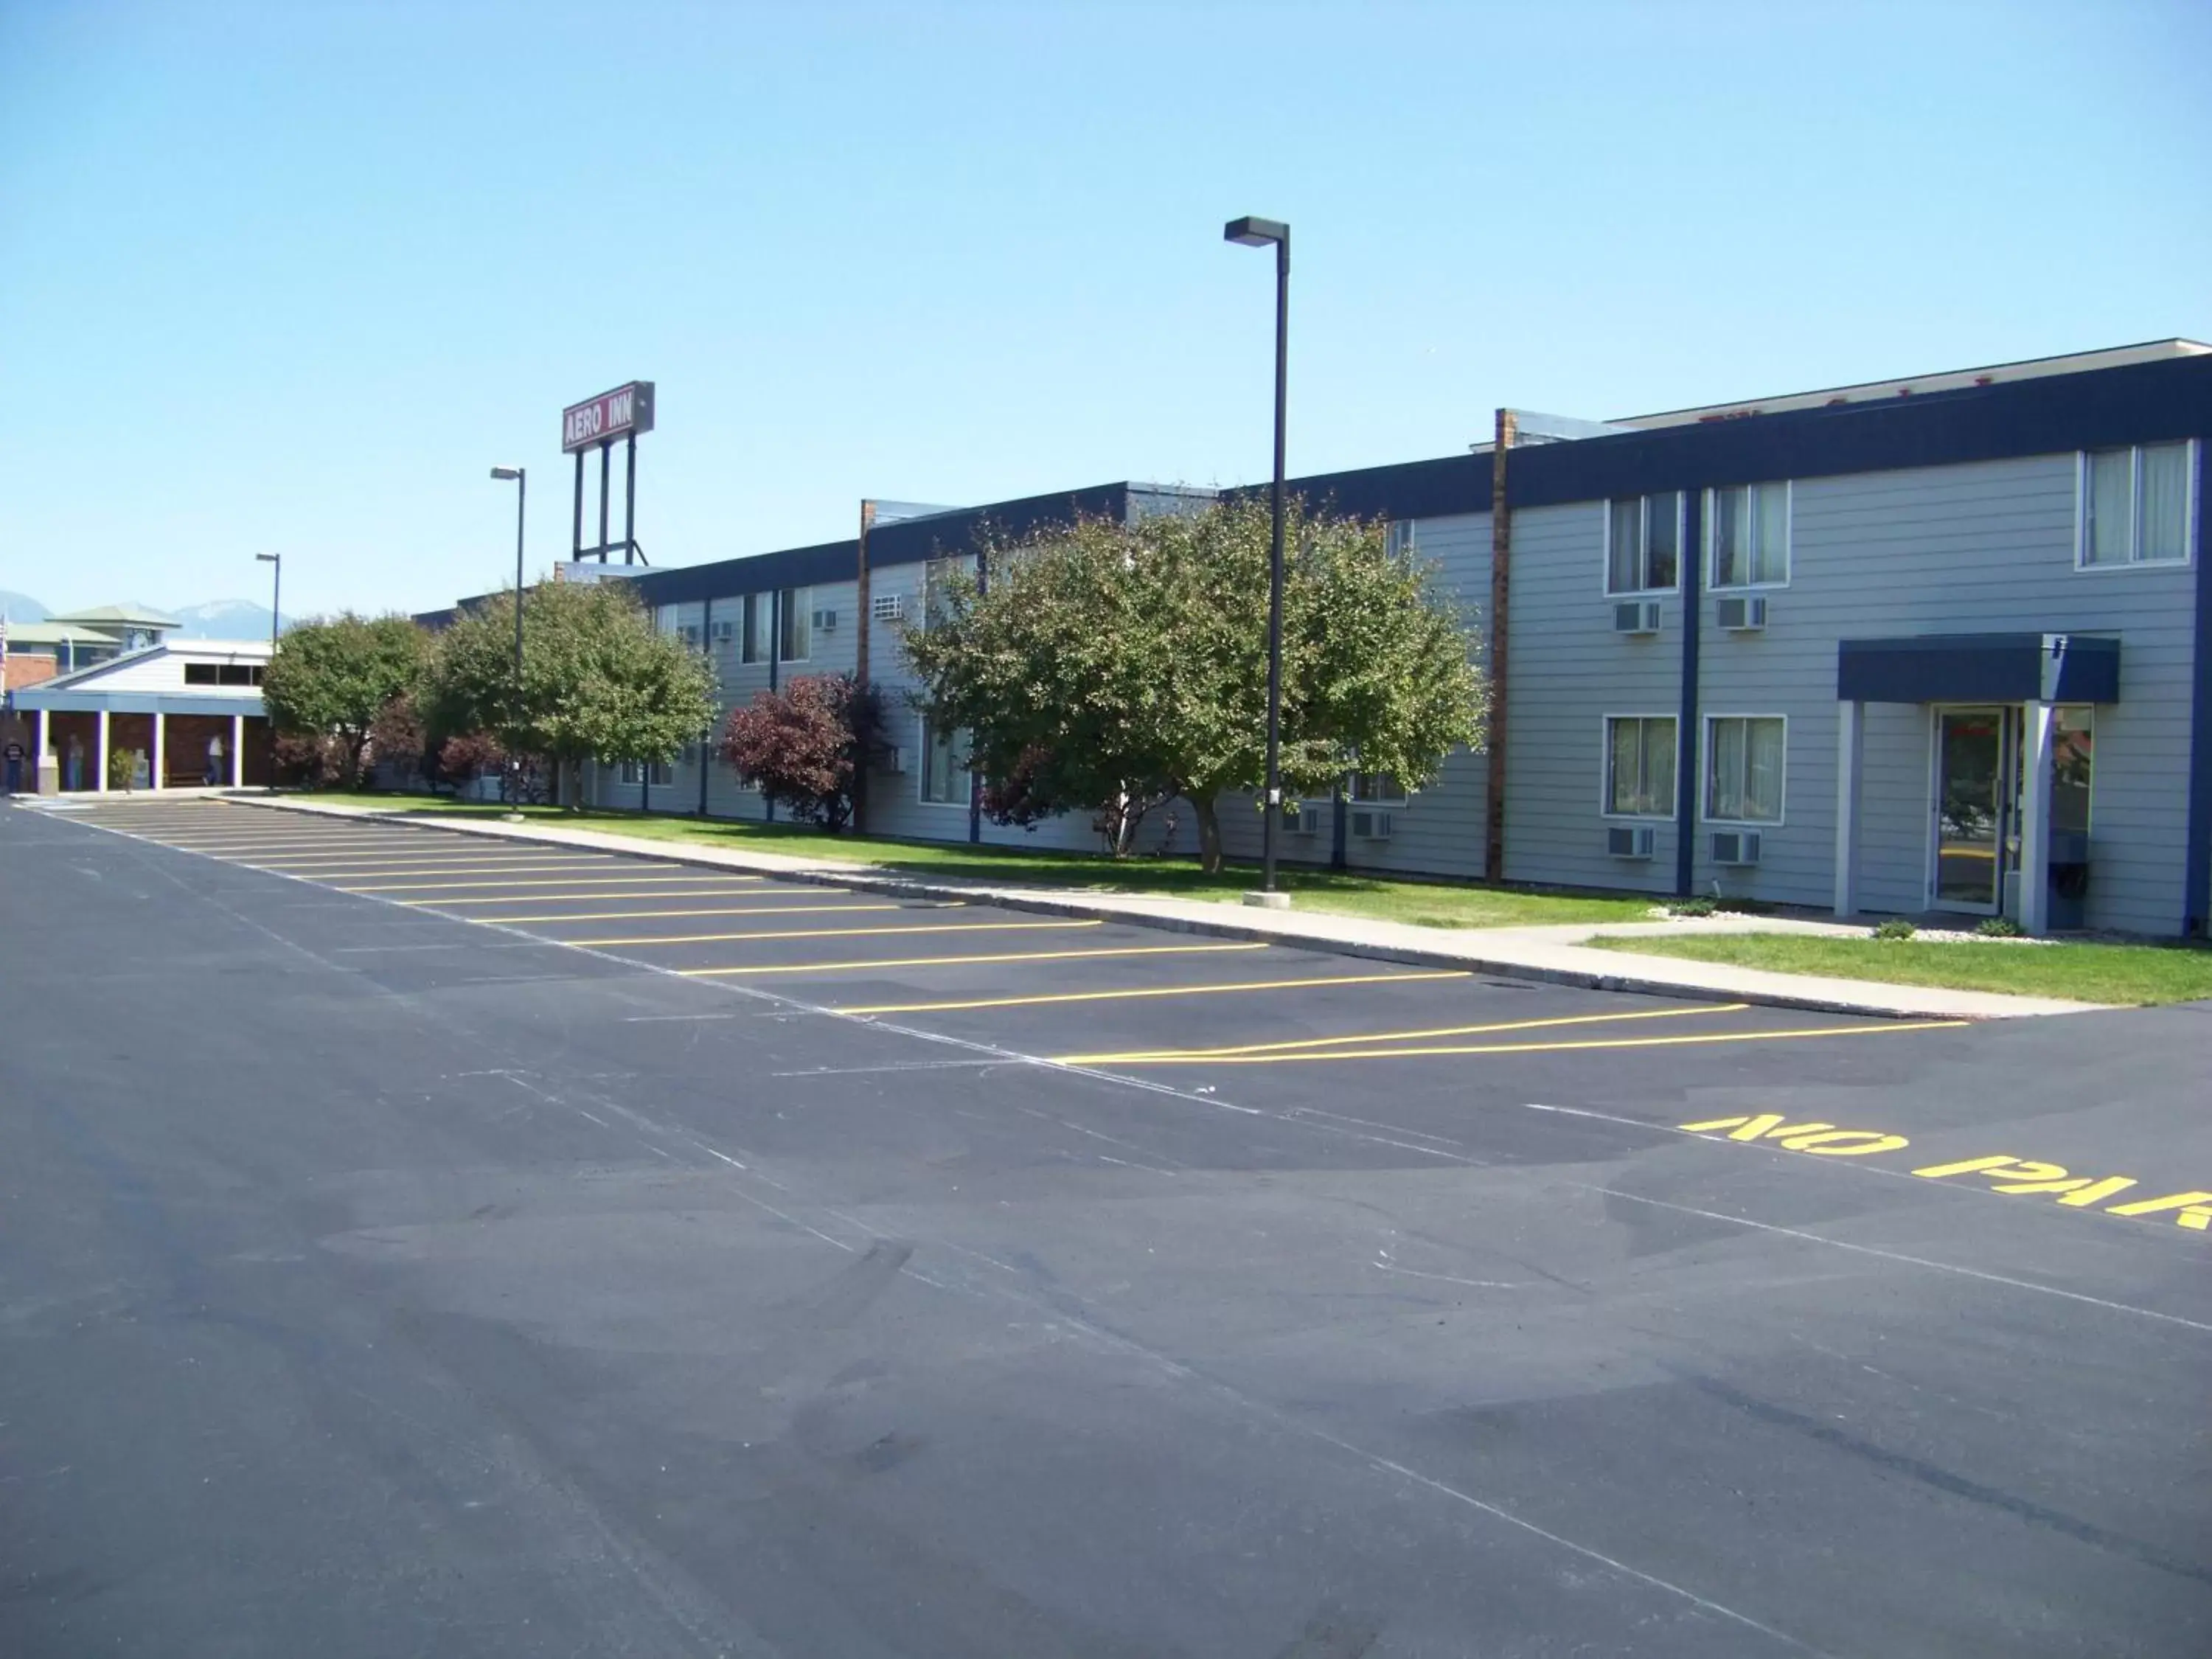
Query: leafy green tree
point(335, 676)
point(1112, 665)
point(598, 681)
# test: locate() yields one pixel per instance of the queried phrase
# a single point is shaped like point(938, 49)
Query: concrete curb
point(1865, 998)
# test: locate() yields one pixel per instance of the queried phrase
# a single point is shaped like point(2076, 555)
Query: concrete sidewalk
point(1556, 954)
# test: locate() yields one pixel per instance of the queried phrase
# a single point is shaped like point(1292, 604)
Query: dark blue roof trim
point(944, 535)
point(1979, 668)
point(2142, 402)
point(1409, 490)
point(759, 572)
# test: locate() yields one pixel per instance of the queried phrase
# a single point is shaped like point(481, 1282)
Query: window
point(1644, 544)
point(936, 574)
point(945, 778)
point(223, 673)
point(1402, 539)
point(797, 644)
point(200, 673)
point(658, 776)
point(2135, 505)
point(2073, 769)
point(1377, 789)
point(629, 774)
point(760, 611)
point(1743, 768)
point(1639, 766)
point(1748, 535)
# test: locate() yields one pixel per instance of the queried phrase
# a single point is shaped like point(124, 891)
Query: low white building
point(188, 712)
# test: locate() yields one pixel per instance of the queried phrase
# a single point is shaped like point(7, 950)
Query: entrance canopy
point(1979, 668)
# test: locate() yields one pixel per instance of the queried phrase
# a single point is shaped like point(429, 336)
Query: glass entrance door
point(1971, 792)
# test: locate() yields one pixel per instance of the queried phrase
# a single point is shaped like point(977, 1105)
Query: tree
point(397, 740)
point(803, 745)
point(598, 680)
point(1114, 666)
point(333, 676)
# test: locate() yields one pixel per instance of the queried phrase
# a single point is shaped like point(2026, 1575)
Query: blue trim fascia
point(2057, 414)
point(1979, 668)
point(949, 535)
point(818, 566)
point(1434, 489)
point(1689, 730)
point(2196, 875)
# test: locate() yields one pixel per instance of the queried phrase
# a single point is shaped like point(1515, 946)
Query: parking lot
point(703, 1262)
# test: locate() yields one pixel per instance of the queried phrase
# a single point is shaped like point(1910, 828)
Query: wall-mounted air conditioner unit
point(1630, 840)
point(1302, 820)
point(1741, 615)
point(825, 622)
point(1368, 825)
point(688, 634)
point(725, 632)
point(887, 607)
point(1735, 847)
point(1636, 616)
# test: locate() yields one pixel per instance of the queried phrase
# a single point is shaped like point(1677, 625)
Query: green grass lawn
point(2082, 973)
point(1428, 904)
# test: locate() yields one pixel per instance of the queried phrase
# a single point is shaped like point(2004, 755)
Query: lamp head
point(1255, 233)
point(269, 558)
point(506, 472)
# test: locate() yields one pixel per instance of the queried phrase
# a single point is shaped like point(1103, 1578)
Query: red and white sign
point(623, 413)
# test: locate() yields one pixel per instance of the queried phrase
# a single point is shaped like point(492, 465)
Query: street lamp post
point(1259, 233)
point(519, 475)
point(276, 562)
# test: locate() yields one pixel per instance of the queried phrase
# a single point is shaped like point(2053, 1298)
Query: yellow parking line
point(579, 881)
point(560, 899)
point(1506, 1048)
point(841, 932)
point(1155, 991)
point(954, 962)
point(1417, 1037)
point(290, 844)
point(471, 860)
point(733, 910)
point(419, 870)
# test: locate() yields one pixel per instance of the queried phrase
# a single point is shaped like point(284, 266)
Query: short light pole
point(276, 563)
point(1259, 233)
point(519, 475)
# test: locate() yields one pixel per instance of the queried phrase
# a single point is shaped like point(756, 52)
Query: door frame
point(2008, 786)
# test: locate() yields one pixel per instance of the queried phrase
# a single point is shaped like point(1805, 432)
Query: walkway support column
point(1851, 755)
point(157, 756)
point(238, 751)
point(2035, 818)
point(99, 756)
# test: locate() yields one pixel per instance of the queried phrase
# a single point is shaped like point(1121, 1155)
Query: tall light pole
point(519, 475)
point(276, 562)
point(1259, 233)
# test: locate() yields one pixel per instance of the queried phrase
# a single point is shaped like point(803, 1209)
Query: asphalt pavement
point(416, 1246)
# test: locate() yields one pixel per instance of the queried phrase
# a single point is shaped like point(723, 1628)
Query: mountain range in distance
point(214, 619)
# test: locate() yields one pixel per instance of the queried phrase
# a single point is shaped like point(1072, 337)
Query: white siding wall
point(163, 671)
point(1566, 672)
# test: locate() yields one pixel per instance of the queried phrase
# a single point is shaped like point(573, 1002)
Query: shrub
point(122, 768)
point(1999, 927)
point(310, 760)
point(803, 745)
point(1691, 906)
point(1895, 927)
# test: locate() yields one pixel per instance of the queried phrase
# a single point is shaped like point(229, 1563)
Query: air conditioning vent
point(825, 622)
point(1735, 847)
point(1367, 824)
point(1741, 615)
point(1628, 841)
point(1636, 616)
point(1301, 820)
point(887, 607)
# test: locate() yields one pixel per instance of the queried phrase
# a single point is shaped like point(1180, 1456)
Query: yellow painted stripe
point(732, 910)
point(1417, 1037)
point(1155, 991)
point(955, 962)
point(839, 932)
point(421, 870)
point(570, 898)
point(578, 881)
point(459, 855)
point(1510, 1048)
point(290, 844)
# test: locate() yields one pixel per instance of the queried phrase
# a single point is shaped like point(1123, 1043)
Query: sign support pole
point(606, 477)
point(576, 545)
point(629, 500)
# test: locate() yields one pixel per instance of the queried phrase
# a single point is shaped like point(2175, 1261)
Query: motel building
point(187, 712)
point(1932, 646)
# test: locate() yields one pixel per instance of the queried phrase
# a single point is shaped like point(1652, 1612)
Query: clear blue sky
point(292, 276)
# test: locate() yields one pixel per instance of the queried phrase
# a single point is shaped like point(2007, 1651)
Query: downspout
point(2197, 876)
point(1688, 737)
point(1501, 591)
point(860, 667)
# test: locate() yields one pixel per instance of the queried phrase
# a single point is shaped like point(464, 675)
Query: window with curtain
point(1377, 789)
point(2136, 503)
point(760, 613)
point(1639, 766)
point(1743, 768)
point(1644, 541)
point(1748, 535)
point(797, 644)
point(943, 767)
